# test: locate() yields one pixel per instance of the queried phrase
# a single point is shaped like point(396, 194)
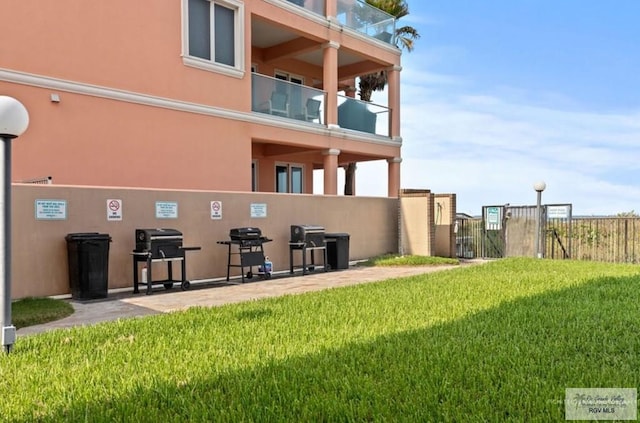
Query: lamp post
point(14, 120)
point(539, 187)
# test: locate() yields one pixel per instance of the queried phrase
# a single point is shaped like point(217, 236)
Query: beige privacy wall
point(427, 223)
point(39, 248)
point(444, 218)
point(416, 222)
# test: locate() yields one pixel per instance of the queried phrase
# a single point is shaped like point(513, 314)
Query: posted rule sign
point(216, 210)
point(114, 210)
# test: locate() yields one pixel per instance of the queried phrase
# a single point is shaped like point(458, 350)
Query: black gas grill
point(250, 251)
point(159, 245)
point(307, 238)
point(245, 234)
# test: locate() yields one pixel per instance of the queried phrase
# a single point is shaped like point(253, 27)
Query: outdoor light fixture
point(14, 120)
point(539, 187)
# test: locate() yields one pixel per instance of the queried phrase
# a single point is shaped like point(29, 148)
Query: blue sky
point(498, 95)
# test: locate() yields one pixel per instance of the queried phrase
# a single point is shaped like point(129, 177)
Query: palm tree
point(404, 38)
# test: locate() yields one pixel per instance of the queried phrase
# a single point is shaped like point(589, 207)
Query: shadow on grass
point(509, 363)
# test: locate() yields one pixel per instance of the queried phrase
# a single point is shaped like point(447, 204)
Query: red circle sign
point(215, 206)
point(114, 205)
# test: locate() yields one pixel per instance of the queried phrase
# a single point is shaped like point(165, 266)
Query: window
point(214, 35)
point(289, 178)
point(293, 90)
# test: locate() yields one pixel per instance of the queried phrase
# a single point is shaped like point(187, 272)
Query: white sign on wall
point(114, 210)
point(166, 210)
point(51, 209)
point(216, 210)
point(493, 218)
point(258, 210)
point(558, 212)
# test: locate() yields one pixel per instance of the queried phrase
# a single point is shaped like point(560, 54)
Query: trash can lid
point(337, 235)
point(80, 236)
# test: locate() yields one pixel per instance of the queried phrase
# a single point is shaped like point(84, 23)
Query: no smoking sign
point(216, 210)
point(114, 210)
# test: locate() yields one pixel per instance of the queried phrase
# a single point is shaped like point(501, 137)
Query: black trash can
point(88, 265)
point(337, 250)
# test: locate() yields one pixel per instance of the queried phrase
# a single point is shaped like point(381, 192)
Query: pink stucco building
point(227, 95)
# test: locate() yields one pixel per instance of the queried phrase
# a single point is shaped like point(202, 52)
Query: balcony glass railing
point(286, 99)
point(363, 116)
point(362, 17)
point(316, 6)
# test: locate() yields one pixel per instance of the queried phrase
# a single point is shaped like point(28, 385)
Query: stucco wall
point(426, 223)
point(39, 250)
point(444, 216)
point(416, 222)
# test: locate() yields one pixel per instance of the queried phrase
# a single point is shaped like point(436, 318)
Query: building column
point(350, 178)
point(394, 176)
point(331, 9)
point(330, 82)
point(393, 93)
point(331, 171)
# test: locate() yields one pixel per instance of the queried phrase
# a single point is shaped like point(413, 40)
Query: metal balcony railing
point(369, 20)
point(286, 99)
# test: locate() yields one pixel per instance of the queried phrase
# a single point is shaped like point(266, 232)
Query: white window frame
point(236, 71)
point(289, 178)
point(289, 77)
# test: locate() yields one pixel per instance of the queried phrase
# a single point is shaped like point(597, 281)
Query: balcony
point(289, 100)
point(359, 16)
point(369, 20)
point(286, 99)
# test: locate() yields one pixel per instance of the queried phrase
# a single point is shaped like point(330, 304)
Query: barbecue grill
point(307, 238)
point(250, 251)
point(310, 235)
point(245, 234)
point(160, 245)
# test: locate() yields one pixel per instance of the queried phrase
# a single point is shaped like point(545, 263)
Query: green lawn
point(408, 260)
point(35, 311)
point(497, 342)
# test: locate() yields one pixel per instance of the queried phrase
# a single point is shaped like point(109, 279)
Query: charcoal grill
point(247, 244)
point(155, 246)
point(307, 238)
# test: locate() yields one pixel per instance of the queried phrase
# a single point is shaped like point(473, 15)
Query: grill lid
point(306, 229)
point(310, 235)
point(245, 233)
point(145, 235)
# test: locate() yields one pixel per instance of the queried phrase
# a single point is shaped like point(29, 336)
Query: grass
point(396, 260)
point(35, 311)
point(497, 342)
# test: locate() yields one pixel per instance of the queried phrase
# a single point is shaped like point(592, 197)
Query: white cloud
point(490, 149)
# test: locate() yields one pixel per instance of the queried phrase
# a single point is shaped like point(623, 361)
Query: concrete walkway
point(128, 305)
